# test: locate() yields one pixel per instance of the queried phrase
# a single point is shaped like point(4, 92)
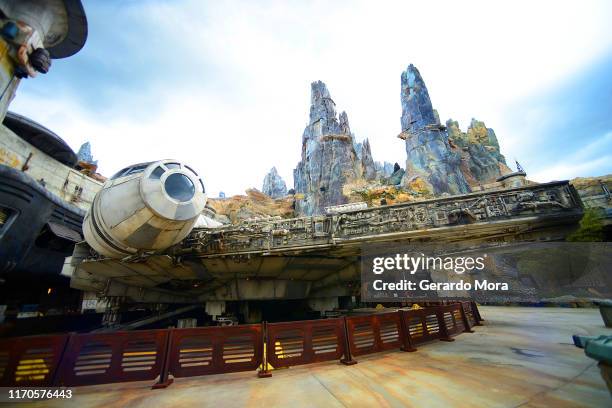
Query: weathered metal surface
point(60, 24)
point(62, 181)
point(141, 208)
point(425, 218)
point(318, 256)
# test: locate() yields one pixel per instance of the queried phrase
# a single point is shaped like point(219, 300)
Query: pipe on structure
point(144, 207)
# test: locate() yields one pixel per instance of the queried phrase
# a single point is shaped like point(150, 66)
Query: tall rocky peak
point(274, 185)
point(323, 117)
point(431, 160)
point(84, 154)
point(368, 168)
point(417, 111)
point(328, 157)
point(344, 124)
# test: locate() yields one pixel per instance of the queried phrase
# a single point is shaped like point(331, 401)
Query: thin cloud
point(226, 85)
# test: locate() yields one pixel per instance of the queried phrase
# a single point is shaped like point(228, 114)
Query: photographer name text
point(406, 285)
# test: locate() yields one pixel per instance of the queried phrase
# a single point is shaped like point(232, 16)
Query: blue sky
point(225, 86)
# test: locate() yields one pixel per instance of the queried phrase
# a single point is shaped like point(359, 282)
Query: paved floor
point(521, 357)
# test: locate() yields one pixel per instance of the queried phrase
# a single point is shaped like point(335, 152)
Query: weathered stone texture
point(328, 158)
point(482, 161)
point(368, 168)
point(274, 185)
point(430, 156)
point(84, 154)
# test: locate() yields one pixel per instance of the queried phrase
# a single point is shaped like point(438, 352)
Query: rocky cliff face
point(274, 185)
point(335, 168)
point(328, 158)
point(368, 168)
point(481, 159)
point(431, 159)
point(254, 204)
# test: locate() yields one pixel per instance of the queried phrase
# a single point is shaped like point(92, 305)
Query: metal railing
point(161, 355)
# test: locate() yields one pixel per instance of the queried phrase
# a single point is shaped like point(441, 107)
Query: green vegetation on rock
point(591, 228)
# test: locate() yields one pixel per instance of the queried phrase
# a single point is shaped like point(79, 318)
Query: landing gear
point(112, 314)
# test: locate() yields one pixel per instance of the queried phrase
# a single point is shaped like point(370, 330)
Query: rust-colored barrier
point(305, 342)
point(215, 350)
point(422, 325)
point(450, 321)
point(374, 333)
point(30, 361)
point(476, 313)
point(470, 315)
point(113, 357)
point(87, 359)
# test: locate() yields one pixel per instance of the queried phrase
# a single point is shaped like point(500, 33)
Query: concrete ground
point(520, 357)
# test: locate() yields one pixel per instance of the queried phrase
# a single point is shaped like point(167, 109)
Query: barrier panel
point(305, 342)
point(450, 319)
point(422, 325)
point(30, 361)
point(215, 350)
point(374, 333)
point(113, 357)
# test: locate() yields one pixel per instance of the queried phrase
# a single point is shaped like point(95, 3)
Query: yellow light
point(49, 291)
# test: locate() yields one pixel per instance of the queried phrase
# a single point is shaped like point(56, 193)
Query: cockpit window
point(157, 173)
point(135, 170)
point(173, 166)
point(139, 168)
point(192, 170)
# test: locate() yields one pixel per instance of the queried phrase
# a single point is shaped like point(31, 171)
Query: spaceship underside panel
point(319, 256)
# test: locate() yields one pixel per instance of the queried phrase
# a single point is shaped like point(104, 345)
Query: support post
point(348, 357)
point(164, 376)
point(264, 372)
point(466, 322)
point(476, 314)
point(405, 333)
point(442, 325)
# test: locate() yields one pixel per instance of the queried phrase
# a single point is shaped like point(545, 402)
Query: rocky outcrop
point(396, 177)
point(368, 168)
point(431, 161)
point(482, 161)
point(388, 168)
point(254, 204)
point(84, 154)
point(335, 168)
point(328, 157)
point(595, 193)
point(274, 185)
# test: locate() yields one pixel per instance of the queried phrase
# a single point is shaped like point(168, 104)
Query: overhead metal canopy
point(76, 35)
point(41, 138)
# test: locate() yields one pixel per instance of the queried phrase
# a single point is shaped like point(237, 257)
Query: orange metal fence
point(374, 333)
point(87, 359)
point(304, 342)
point(112, 357)
point(31, 361)
point(214, 350)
